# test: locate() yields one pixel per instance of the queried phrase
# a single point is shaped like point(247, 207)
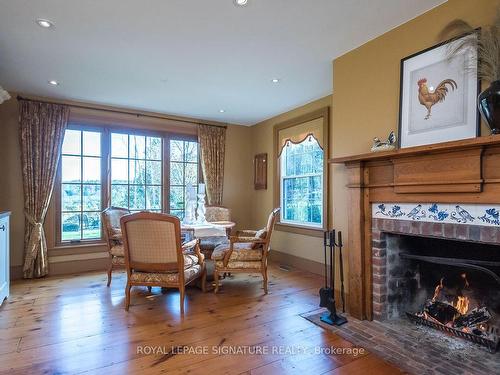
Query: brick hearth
point(381, 227)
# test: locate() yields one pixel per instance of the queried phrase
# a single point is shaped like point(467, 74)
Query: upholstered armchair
point(113, 234)
point(246, 252)
point(154, 255)
point(215, 214)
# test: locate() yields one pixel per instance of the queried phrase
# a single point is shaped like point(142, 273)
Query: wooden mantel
point(466, 171)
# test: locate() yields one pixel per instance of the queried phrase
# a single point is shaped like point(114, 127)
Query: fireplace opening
point(452, 286)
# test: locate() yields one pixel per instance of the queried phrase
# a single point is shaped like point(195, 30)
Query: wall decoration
point(388, 145)
point(438, 96)
point(260, 172)
point(472, 214)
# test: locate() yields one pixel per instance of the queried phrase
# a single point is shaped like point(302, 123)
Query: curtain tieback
point(37, 232)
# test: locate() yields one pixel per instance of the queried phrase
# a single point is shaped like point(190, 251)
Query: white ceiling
point(189, 57)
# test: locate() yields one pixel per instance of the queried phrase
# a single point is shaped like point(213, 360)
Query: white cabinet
point(4, 256)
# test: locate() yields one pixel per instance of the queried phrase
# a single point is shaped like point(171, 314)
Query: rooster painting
point(428, 96)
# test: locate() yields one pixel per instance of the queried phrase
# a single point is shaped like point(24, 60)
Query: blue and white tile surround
point(470, 214)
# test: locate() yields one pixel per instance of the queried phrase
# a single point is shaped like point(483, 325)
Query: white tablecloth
point(205, 230)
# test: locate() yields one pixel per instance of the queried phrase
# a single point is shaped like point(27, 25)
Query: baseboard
point(83, 265)
point(16, 272)
point(297, 262)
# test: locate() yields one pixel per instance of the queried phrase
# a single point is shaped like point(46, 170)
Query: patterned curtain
point(42, 127)
point(212, 141)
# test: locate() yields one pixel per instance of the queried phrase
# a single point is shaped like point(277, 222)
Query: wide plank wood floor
point(75, 324)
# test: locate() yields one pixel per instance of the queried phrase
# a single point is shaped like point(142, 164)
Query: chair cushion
point(261, 233)
point(239, 264)
point(165, 278)
point(190, 260)
point(115, 233)
point(242, 251)
point(117, 251)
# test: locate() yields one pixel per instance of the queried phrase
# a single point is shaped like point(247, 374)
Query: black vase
point(489, 106)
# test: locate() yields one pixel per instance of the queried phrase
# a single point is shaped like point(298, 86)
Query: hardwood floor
point(75, 324)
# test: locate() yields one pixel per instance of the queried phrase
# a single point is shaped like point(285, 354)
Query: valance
point(298, 133)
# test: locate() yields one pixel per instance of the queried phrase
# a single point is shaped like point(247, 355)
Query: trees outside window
point(302, 183)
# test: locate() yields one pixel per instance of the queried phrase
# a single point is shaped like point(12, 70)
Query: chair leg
point(110, 270)
point(127, 296)
point(264, 275)
point(216, 281)
point(182, 292)
point(204, 280)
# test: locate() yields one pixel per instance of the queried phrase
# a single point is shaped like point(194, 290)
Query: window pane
point(119, 145)
point(153, 148)
point(71, 197)
point(119, 196)
point(176, 173)
point(72, 142)
point(153, 197)
point(119, 171)
point(70, 224)
point(91, 223)
point(153, 175)
point(137, 172)
point(71, 169)
point(178, 213)
point(177, 198)
point(92, 170)
point(303, 199)
point(137, 147)
point(137, 198)
point(91, 197)
point(91, 144)
point(191, 151)
point(176, 150)
point(191, 174)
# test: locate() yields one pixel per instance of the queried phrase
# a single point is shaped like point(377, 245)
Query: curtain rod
point(194, 121)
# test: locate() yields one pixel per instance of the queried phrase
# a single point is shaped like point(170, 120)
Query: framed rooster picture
point(438, 96)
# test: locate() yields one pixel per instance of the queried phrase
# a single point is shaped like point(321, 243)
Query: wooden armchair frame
point(112, 239)
point(166, 267)
point(248, 237)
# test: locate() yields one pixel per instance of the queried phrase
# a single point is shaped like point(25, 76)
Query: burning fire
point(462, 302)
point(462, 305)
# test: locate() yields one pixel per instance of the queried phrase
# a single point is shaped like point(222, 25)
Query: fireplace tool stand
point(327, 293)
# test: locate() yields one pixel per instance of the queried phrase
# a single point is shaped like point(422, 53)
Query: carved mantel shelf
point(473, 143)
point(466, 171)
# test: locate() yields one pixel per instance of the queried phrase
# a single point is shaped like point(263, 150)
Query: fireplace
point(445, 275)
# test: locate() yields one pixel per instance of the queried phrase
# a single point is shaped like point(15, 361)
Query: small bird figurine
point(4, 95)
point(388, 145)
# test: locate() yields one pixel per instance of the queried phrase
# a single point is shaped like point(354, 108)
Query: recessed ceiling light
point(46, 24)
point(53, 83)
point(275, 80)
point(240, 3)
point(222, 110)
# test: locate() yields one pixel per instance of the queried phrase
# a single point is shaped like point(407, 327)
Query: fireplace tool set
point(327, 293)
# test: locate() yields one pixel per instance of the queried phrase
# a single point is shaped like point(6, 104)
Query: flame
point(437, 290)
point(462, 305)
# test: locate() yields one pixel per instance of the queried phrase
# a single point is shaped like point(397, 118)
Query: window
point(183, 172)
point(302, 183)
point(81, 186)
point(301, 174)
point(136, 172)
